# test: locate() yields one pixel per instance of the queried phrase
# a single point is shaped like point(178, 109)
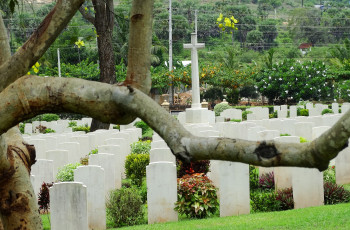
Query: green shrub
point(196, 196)
point(244, 114)
point(49, 130)
point(253, 177)
point(236, 120)
point(273, 115)
point(141, 147)
point(94, 151)
point(143, 190)
point(135, 167)
point(264, 201)
point(329, 174)
point(116, 127)
point(49, 117)
point(72, 124)
point(21, 127)
point(66, 173)
point(86, 129)
point(146, 130)
point(302, 112)
point(334, 194)
point(183, 168)
point(221, 107)
point(285, 198)
point(303, 140)
point(124, 207)
point(326, 111)
point(285, 135)
point(267, 181)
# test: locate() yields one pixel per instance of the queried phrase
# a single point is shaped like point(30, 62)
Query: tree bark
point(104, 23)
point(140, 42)
point(21, 101)
point(18, 208)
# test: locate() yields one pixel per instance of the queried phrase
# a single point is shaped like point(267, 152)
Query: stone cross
point(194, 67)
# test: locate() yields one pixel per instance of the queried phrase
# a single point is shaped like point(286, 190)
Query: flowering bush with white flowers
point(295, 80)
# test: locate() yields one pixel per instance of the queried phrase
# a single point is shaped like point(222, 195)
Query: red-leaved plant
point(44, 197)
point(267, 181)
point(285, 197)
point(334, 194)
point(196, 196)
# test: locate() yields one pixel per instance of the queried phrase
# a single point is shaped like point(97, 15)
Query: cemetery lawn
point(324, 217)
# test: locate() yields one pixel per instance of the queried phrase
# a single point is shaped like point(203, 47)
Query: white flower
point(269, 77)
point(311, 88)
point(317, 72)
point(286, 91)
point(280, 79)
point(292, 67)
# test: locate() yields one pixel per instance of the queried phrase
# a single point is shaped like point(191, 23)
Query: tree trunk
point(104, 23)
point(18, 207)
point(140, 41)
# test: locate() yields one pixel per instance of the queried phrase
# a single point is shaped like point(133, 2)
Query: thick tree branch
point(22, 100)
point(5, 52)
point(140, 41)
point(86, 15)
point(39, 42)
point(18, 207)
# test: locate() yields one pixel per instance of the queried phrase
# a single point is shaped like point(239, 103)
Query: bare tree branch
point(39, 42)
point(22, 101)
point(86, 15)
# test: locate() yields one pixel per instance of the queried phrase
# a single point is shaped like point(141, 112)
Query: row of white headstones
point(232, 179)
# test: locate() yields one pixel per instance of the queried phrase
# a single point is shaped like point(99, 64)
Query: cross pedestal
point(196, 114)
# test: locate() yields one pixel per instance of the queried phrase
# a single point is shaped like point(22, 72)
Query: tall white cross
point(194, 67)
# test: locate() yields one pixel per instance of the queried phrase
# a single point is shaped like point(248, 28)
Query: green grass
point(46, 222)
point(324, 217)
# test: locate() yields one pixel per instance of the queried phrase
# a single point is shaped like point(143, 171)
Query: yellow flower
point(37, 65)
point(79, 43)
point(36, 70)
point(28, 73)
point(220, 25)
point(220, 18)
point(227, 22)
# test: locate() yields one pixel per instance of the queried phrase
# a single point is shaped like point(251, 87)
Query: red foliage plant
point(196, 196)
point(44, 197)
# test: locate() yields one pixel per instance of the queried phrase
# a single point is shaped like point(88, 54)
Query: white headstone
point(107, 162)
point(59, 158)
point(234, 189)
point(307, 187)
point(292, 111)
point(335, 108)
point(283, 175)
point(68, 206)
point(162, 154)
point(43, 172)
point(161, 192)
point(91, 177)
point(159, 145)
point(73, 149)
point(28, 128)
